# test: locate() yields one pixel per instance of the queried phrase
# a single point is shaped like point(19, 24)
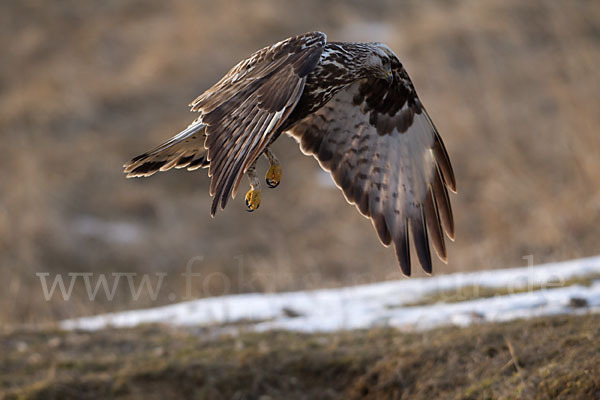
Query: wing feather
point(421, 239)
point(434, 225)
point(383, 151)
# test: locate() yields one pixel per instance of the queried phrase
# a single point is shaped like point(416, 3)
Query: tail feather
point(184, 150)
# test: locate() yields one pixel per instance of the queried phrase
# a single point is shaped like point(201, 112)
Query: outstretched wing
point(239, 116)
point(384, 152)
point(244, 110)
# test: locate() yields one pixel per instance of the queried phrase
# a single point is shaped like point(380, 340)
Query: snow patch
point(383, 304)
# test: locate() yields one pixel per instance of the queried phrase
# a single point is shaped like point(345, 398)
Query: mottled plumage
point(350, 105)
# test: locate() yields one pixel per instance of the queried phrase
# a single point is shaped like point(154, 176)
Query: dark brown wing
point(384, 152)
point(244, 110)
point(238, 116)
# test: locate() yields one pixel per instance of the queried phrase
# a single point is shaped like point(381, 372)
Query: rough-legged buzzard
point(350, 105)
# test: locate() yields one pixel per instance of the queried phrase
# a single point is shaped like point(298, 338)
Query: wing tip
point(452, 185)
point(402, 245)
point(450, 235)
point(213, 207)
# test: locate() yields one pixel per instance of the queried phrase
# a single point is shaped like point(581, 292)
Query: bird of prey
point(350, 105)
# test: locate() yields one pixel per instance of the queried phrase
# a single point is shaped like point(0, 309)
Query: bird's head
point(381, 60)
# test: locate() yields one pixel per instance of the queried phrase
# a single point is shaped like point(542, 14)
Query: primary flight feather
point(350, 105)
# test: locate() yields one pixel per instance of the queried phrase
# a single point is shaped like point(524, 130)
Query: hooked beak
point(389, 77)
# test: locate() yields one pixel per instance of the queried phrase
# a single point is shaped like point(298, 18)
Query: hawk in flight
point(350, 105)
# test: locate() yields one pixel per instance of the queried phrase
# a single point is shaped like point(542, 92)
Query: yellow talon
point(253, 198)
point(274, 175)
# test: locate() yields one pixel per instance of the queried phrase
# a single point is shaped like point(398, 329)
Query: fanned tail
point(184, 150)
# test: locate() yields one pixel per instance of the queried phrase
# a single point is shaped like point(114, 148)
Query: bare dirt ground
point(512, 86)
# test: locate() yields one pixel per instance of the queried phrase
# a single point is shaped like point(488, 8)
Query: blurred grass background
point(513, 87)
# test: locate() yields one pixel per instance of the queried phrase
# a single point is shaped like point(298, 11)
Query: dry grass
point(550, 358)
point(513, 87)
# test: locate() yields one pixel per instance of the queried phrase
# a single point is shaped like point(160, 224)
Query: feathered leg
point(253, 197)
point(274, 174)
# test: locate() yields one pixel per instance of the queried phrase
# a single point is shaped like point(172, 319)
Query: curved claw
point(273, 176)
